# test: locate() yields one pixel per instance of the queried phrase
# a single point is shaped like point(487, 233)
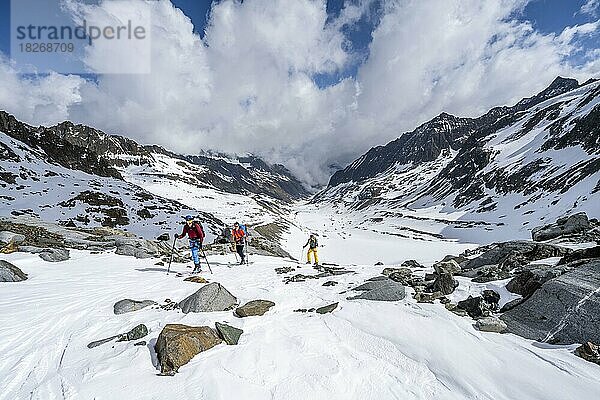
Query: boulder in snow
point(528, 281)
point(128, 305)
point(54, 255)
point(177, 344)
point(564, 310)
point(136, 333)
point(476, 307)
point(11, 237)
point(383, 290)
point(424, 297)
point(513, 254)
point(327, 309)
point(254, 308)
point(411, 264)
point(138, 248)
point(490, 324)
point(230, 334)
point(563, 226)
point(581, 254)
point(11, 273)
point(446, 267)
point(444, 283)
point(195, 279)
point(164, 237)
point(211, 297)
point(589, 352)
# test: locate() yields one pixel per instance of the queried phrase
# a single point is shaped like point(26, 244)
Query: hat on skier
point(189, 218)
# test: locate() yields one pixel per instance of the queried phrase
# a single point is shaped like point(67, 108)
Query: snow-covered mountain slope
point(505, 172)
point(82, 176)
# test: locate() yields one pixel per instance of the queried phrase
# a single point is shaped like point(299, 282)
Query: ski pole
point(172, 252)
point(246, 251)
point(207, 263)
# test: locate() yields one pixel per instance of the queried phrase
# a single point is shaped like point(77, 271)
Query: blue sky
point(547, 16)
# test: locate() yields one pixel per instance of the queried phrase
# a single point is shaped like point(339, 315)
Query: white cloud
point(591, 7)
point(248, 85)
point(38, 100)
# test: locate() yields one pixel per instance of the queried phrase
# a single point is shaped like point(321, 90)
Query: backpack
point(199, 229)
point(243, 227)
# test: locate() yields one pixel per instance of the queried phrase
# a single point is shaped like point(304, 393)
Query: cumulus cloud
point(248, 85)
point(590, 7)
point(38, 100)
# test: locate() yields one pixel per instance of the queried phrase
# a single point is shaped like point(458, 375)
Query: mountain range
point(534, 161)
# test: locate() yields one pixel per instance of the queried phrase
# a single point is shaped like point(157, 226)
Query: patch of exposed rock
point(254, 308)
point(127, 305)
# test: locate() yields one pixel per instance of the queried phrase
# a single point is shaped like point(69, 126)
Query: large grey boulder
point(581, 254)
point(128, 305)
point(514, 254)
point(11, 273)
point(138, 248)
point(531, 279)
point(254, 308)
point(564, 310)
point(446, 267)
point(11, 237)
point(563, 226)
point(444, 283)
point(211, 297)
point(498, 260)
point(382, 290)
point(54, 255)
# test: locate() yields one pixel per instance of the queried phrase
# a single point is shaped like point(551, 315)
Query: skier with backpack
point(239, 236)
point(193, 229)
point(312, 245)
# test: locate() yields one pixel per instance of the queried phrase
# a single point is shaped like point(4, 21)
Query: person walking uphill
point(239, 235)
point(312, 244)
point(195, 233)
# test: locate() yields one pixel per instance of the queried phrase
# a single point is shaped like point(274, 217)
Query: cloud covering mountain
point(248, 84)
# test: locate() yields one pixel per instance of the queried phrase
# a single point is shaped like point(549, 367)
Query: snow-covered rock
point(10, 272)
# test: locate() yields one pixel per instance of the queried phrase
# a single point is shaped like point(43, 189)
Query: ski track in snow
point(363, 350)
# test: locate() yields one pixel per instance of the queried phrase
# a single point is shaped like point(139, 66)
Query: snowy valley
point(430, 285)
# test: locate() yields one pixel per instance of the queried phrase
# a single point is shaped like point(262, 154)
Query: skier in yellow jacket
point(312, 245)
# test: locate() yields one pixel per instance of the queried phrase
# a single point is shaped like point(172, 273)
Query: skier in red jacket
point(194, 231)
point(239, 237)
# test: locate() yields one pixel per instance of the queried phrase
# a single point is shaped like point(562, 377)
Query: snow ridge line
point(563, 322)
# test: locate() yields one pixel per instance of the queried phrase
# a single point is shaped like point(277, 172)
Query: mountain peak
point(558, 86)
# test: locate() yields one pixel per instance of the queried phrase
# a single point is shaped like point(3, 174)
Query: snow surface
point(363, 350)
